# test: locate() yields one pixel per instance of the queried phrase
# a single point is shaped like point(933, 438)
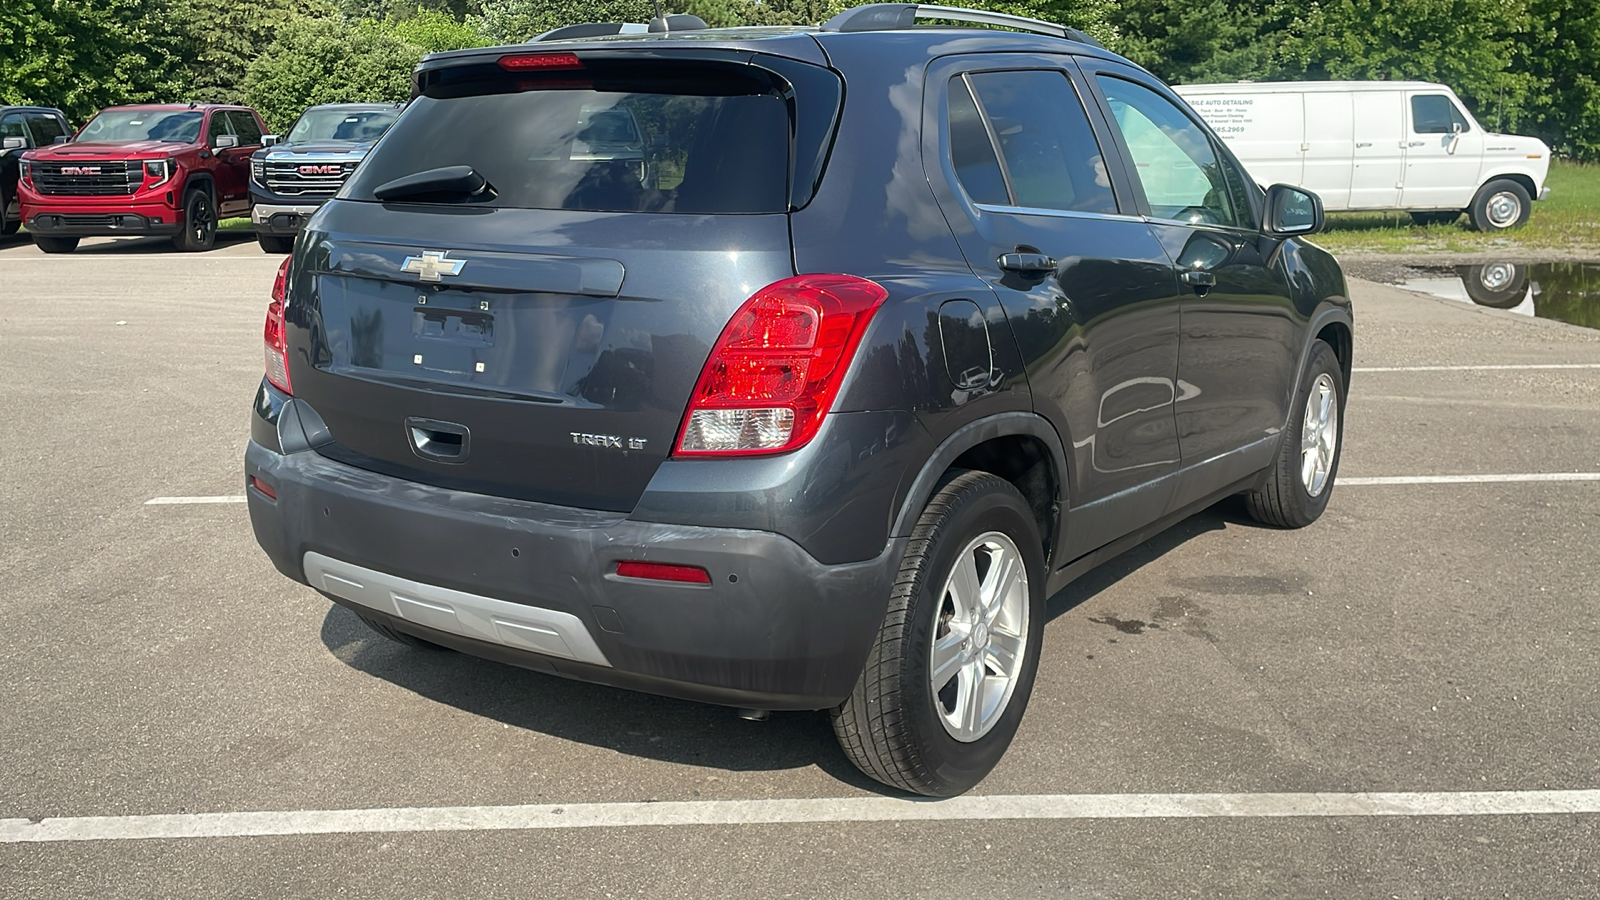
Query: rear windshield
point(666, 142)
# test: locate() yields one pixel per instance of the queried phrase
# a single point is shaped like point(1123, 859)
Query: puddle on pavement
point(1566, 291)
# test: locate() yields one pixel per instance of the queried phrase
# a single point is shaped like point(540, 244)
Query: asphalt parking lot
point(1422, 637)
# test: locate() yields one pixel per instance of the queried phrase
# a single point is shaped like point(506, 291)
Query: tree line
point(1529, 66)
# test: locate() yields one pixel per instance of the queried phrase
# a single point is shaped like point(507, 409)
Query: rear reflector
point(525, 62)
point(663, 572)
point(263, 487)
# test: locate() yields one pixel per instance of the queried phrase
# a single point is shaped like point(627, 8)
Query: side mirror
point(269, 140)
point(225, 141)
point(1457, 127)
point(1292, 211)
point(62, 139)
point(14, 143)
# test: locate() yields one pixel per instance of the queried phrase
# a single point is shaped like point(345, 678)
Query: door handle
point(1199, 279)
point(1034, 264)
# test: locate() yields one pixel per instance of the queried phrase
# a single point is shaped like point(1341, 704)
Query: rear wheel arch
point(1022, 448)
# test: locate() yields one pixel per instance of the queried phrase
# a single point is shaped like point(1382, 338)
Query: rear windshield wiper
point(443, 184)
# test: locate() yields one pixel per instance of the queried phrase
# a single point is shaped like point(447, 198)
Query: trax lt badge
point(432, 264)
point(607, 440)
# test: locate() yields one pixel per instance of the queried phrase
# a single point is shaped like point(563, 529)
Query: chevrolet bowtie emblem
point(432, 264)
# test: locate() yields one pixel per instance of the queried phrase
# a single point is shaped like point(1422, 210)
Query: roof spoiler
point(901, 16)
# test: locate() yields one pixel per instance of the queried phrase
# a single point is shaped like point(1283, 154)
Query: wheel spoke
point(1004, 653)
point(969, 709)
point(1002, 575)
point(947, 657)
point(965, 590)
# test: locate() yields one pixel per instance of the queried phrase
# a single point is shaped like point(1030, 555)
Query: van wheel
point(948, 678)
point(273, 243)
point(396, 635)
point(55, 244)
point(1500, 204)
point(1299, 483)
point(1443, 217)
point(199, 223)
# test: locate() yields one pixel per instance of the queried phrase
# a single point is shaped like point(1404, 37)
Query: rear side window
point(1435, 114)
point(1048, 153)
point(685, 140)
point(972, 151)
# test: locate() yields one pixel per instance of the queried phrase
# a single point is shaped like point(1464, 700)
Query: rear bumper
point(534, 584)
point(1544, 194)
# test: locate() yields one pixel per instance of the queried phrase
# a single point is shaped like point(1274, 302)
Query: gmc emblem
point(320, 170)
point(80, 170)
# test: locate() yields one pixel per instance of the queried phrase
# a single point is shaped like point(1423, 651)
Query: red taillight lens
point(527, 62)
point(777, 367)
point(663, 572)
point(274, 335)
point(263, 487)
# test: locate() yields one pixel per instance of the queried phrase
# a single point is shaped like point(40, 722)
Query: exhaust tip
point(755, 715)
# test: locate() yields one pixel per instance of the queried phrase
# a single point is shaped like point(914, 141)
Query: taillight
point(527, 62)
point(276, 338)
point(777, 367)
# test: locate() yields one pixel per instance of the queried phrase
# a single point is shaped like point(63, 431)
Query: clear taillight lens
point(774, 372)
point(275, 336)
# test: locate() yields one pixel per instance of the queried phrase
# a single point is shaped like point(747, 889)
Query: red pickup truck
point(167, 169)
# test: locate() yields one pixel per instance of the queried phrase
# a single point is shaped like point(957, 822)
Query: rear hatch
point(540, 338)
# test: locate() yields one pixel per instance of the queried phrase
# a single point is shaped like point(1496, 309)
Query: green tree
point(82, 57)
point(326, 60)
point(1199, 41)
point(514, 21)
point(1466, 44)
point(1561, 52)
point(436, 31)
point(225, 36)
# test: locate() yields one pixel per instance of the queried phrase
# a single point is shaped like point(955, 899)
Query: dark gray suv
point(893, 332)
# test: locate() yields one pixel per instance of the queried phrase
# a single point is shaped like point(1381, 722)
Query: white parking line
point(1505, 368)
point(1469, 479)
point(783, 812)
point(174, 501)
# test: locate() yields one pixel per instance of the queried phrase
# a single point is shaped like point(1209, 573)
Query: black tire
point(892, 726)
point(1285, 500)
point(273, 243)
point(1443, 217)
point(55, 244)
point(396, 635)
point(199, 223)
point(1499, 205)
point(1502, 285)
point(8, 225)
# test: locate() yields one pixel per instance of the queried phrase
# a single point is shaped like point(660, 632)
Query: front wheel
point(1499, 205)
point(55, 244)
point(273, 243)
point(199, 223)
point(1300, 481)
point(949, 675)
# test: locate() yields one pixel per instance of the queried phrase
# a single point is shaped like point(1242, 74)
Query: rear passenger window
point(1048, 153)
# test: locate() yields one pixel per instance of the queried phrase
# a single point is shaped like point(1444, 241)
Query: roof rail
point(599, 29)
point(900, 16)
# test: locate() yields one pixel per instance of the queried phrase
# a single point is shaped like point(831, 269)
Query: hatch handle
point(435, 441)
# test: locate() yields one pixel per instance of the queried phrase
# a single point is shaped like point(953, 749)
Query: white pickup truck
point(1372, 145)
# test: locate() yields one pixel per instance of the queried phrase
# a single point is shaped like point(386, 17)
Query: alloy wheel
point(981, 636)
point(1319, 435)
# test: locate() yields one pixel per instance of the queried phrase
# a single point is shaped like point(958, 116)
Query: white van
point(1407, 145)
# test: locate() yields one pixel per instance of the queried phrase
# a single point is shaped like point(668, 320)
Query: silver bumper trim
point(261, 212)
point(545, 631)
